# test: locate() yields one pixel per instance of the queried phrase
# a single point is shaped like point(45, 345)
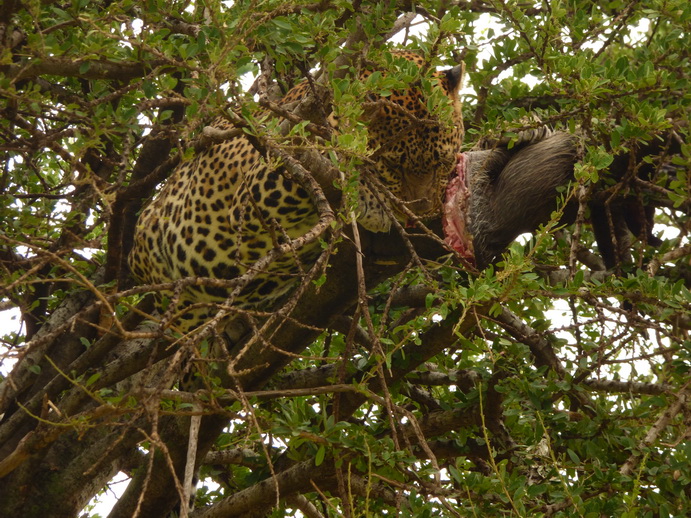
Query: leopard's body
point(227, 208)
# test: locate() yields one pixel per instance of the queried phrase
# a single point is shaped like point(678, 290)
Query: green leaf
point(283, 23)
point(93, 379)
point(574, 457)
point(319, 457)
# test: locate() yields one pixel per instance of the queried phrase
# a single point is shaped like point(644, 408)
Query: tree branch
point(655, 431)
point(86, 69)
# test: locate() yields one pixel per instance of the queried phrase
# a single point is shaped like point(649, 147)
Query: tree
point(397, 380)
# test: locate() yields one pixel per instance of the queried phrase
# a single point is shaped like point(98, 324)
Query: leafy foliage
point(538, 387)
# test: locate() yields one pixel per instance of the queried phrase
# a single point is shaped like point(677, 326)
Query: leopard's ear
point(454, 77)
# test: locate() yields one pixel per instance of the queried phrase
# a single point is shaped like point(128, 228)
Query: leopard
point(228, 207)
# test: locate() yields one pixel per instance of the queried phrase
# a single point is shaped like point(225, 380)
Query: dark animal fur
point(515, 191)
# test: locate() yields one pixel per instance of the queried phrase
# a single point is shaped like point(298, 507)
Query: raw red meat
point(455, 217)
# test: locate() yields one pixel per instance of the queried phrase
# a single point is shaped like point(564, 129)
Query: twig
point(195, 422)
point(670, 256)
point(655, 431)
point(306, 507)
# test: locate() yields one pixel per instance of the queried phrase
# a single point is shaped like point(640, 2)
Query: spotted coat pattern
point(225, 209)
